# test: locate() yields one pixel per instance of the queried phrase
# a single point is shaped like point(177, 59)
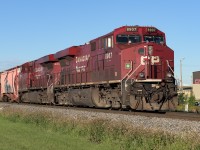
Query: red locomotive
point(130, 67)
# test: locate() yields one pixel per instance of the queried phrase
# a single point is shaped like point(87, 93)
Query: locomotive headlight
point(169, 74)
point(150, 50)
point(141, 74)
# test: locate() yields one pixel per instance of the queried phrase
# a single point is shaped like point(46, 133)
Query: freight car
point(130, 67)
point(9, 84)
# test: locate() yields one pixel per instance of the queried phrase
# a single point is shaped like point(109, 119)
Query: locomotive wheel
point(116, 105)
point(5, 98)
point(133, 102)
point(139, 104)
point(98, 101)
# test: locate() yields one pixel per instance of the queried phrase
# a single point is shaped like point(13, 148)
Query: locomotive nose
point(150, 60)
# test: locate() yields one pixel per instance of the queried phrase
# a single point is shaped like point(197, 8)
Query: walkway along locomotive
point(130, 67)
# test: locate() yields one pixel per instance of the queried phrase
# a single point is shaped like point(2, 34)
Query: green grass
point(21, 129)
point(21, 136)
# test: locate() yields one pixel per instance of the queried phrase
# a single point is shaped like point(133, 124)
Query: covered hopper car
point(9, 84)
point(130, 67)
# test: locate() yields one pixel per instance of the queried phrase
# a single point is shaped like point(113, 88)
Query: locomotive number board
point(131, 29)
point(151, 29)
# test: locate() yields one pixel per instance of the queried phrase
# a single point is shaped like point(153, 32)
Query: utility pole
point(181, 84)
point(181, 80)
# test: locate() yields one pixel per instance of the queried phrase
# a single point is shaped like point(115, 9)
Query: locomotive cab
point(147, 66)
point(131, 66)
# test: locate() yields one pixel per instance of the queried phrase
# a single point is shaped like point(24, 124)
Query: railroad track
point(173, 115)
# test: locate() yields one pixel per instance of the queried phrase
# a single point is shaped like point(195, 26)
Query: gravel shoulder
point(173, 126)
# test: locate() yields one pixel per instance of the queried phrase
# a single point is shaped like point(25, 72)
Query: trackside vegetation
point(190, 101)
point(45, 131)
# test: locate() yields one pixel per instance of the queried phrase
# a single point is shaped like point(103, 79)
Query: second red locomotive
point(130, 67)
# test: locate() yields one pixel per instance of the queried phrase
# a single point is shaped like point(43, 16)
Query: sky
point(30, 29)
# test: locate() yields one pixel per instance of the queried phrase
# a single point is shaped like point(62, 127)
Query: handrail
point(49, 81)
point(169, 66)
point(129, 71)
point(131, 75)
point(127, 74)
point(172, 71)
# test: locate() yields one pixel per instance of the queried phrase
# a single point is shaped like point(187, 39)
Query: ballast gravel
point(173, 126)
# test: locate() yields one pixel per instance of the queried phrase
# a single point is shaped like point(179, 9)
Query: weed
point(99, 131)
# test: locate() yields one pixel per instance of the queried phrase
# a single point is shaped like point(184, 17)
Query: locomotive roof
point(47, 58)
point(71, 51)
point(123, 28)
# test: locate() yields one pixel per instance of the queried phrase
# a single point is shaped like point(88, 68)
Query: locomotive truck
point(130, 67)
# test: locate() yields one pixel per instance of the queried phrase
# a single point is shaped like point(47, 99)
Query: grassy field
point(21, 130)
point(21, 136)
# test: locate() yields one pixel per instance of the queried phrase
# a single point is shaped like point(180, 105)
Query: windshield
point(124, 39)
point(156, 39)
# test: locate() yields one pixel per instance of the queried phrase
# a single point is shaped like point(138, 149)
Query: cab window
point(107, 42)
point(156, 39)
point(125, 39)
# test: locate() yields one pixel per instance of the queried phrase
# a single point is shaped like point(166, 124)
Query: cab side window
point(110, 42)
point(107, 42)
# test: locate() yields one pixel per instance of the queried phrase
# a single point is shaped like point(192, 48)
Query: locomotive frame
point(130, 67)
